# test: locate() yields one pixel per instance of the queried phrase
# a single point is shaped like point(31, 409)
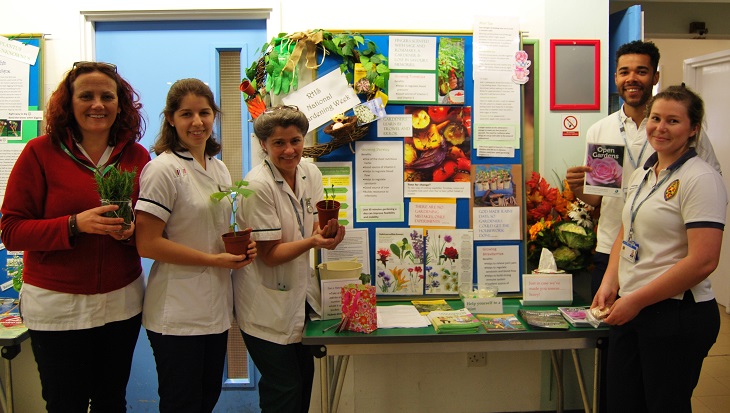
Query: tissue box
point(547, 289)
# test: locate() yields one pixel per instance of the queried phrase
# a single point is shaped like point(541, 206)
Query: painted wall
point(382, 383)
point(675, 51)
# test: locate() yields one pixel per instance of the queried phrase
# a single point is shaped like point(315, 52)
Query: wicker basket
point(348, 133)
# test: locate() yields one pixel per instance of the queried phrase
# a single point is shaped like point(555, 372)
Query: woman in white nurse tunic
point(188, 306)
point(270, 295)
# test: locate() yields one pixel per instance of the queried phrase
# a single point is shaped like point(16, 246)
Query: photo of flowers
point(448, 260)
point(440, 146)
point(399, 261)
point(607, 175)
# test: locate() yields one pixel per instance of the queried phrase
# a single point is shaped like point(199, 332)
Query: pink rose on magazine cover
point(606, 172)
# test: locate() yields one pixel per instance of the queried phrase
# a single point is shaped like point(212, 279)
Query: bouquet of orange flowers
point(560, 222)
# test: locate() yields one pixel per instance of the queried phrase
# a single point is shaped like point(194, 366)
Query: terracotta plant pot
point(326, 210)
point(237, 243)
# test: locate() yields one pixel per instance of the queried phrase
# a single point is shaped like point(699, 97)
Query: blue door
point(151, 56)
point(623, 26)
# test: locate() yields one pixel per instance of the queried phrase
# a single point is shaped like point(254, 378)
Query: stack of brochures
point(426, 306)
point(454, 321)
point(552, 319)
point(500, 322)
point(578, 316)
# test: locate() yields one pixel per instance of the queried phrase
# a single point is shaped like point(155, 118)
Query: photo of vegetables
point(496, 186)
point(451, 70)
point(439, 149)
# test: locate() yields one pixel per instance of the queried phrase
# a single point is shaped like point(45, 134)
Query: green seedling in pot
point(231, 193)
point(329, 197)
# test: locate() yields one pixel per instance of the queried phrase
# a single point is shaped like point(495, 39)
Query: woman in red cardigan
point(83, 287)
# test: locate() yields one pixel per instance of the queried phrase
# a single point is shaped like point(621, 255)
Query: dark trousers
point(287, 374)
point(189, 371)
point(655, 359)
point(86, 370)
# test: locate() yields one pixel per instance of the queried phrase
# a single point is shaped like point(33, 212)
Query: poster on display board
point(413, 171)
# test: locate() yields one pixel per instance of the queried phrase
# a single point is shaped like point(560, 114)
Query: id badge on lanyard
point(630, 250)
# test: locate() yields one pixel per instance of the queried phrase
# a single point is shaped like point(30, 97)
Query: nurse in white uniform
point(663, 315)
point(188, 306)
point(270, 295)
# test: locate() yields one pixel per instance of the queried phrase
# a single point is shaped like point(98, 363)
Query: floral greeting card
point(399, 261)
point(607, 175)
point(448, 260)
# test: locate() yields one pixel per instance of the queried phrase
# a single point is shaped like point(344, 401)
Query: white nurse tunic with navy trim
point(184, 299)
point(270, 301)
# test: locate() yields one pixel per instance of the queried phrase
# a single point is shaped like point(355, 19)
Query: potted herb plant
point(236, 242)
point(327, 208)
point(115, 188)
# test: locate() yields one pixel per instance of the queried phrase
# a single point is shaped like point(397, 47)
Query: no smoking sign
point(571, 125)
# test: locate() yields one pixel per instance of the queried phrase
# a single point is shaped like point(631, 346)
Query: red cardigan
point(45, 187)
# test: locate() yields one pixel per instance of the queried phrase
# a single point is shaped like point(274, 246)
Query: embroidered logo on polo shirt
point(671, 190)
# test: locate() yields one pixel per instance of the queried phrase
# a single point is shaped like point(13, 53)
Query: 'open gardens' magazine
point(607, 176)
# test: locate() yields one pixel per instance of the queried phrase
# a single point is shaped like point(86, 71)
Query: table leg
point(596, 378)
point(7, 389)
point(581, 382)
point(557, 362)
point(324, 384)
point(339, 379)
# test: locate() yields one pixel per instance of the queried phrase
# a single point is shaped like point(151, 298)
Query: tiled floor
point(712, 394)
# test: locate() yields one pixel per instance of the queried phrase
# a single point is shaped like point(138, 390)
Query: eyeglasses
point(94, 65)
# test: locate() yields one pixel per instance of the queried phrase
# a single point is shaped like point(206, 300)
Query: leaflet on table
point(11, 326)
point(455, 321)
point(426, 306)
point(500, 322)
point(576, 316)
point(607, 175)
point(400, 316)
point(550, 319)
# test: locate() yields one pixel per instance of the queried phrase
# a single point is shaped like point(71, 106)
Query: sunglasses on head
point(94, 65)
point(282, 107)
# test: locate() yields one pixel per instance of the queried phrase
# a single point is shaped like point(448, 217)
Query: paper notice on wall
point(499, 266)
point(18, 51)
point(325, 97)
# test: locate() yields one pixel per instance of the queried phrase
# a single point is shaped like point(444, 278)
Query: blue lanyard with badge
point(629, 247)
point(308, 209)
point(622, 129)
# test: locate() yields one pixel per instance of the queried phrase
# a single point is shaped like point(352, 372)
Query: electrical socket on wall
point(476, 359)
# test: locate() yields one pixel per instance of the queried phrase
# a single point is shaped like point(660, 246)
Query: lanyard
point(653, 189)
point(101, 171)
point(622, 129)
point(293, 202)
point(299, 219)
